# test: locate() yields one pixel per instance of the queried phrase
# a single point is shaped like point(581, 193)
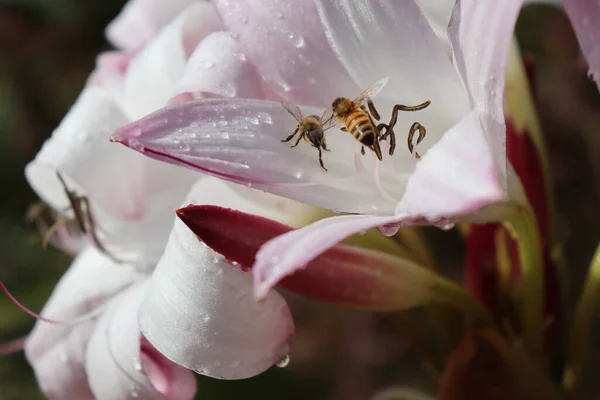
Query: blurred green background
point(47, 50)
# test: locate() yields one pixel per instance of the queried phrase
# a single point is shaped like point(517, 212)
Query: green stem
point(584, 313)
point(450, 293)
point(523, 228)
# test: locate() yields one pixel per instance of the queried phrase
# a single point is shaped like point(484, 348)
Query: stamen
point(13, 346)
point(83, 318)
point(380, 187)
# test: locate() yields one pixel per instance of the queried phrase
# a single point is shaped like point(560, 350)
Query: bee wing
point(294, 110)
point(328, 119)
point(372, 90)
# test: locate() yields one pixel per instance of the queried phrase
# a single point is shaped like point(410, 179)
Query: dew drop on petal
point(296, 39)
point(284, 362)
point(279, 15)
point(447, 226)
point(235, 363)
point(206, 318)
point(183, 147)
point(388, 230)
point(243, 19)
point(253, 120)
point(207, 64)
point(223, 123)
point(137, 364)
point(265, 118)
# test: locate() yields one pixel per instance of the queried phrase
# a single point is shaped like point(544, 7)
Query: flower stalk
point(584, 313)
point(523, 228)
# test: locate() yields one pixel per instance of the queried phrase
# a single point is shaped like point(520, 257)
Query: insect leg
point(344, 129)
point(377, 149)
point(324, 145)
point(411, 133)
point(287, 139)
point(373, 110)
point(362, 150)
point(299, 138)
point(321, 159)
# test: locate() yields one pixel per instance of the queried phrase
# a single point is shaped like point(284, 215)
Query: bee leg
point(362, 150)
point(373, 110)
point(411, 133)
point(321, 159)
point(298, 141)
point(377, 149)
point(287, 139)
point(324, 145)
point(344, 129)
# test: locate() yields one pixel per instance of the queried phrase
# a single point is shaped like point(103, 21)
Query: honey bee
point(359, 122)
point(311, 129)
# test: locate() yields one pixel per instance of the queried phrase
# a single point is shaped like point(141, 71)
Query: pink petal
point(121, 365)
point(343, 275)
point(287, 43)
point(240, 140)
point(132, 197)
point(200, 313)
point(457, 180)
point(153, 74)
point(379, 38)
point(438, 15)
point(219, 67)
point(584, 16)
point(141, 20)
point(57, 352)
point(480, 33)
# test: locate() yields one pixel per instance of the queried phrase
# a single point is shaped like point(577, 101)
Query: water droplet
point(223, 123)
point(234, 35)
point(228, 90)
point(265, 118)
point(207, 64)
point(183, 147)
point(279, 15)
point(135, 394)
point(243, 19)
point(388, 230)
point(447, 226)
point(240, 56)
point(235, 363)
point(137, 364)
point(235, 263)
point(216, 259)
point(253, 120)
point(206, 318)
point(297, 40)
point(284, 362)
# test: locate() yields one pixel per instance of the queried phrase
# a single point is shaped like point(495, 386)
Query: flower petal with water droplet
point(344, 275)
point(221, 137)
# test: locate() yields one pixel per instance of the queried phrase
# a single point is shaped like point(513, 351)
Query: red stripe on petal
point(343, 275)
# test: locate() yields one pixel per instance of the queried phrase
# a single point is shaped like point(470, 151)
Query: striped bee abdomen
point(359, 125)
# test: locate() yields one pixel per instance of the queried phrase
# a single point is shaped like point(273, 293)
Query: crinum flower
point(316, 51)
